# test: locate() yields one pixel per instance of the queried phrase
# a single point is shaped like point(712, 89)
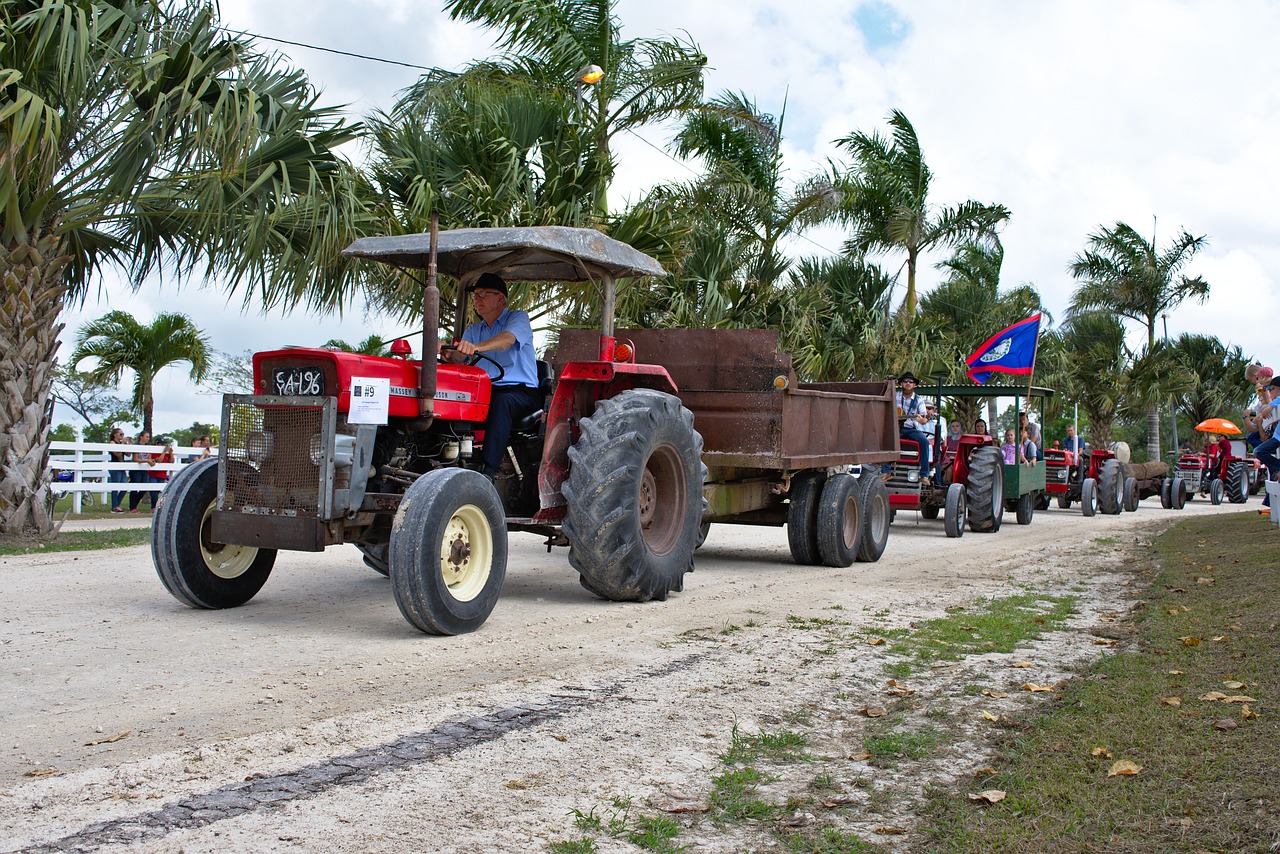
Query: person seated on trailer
point(980, 428)
point(505, 336)
point(914, 413)
point(1073, 444)
point(1009, 448)
point(1033, 432)
point(1027, 449)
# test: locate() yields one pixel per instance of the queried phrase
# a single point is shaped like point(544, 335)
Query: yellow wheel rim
point(223, 561)
point(466, 553)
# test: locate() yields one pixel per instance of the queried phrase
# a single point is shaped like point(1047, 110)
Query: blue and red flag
point(1009, 351)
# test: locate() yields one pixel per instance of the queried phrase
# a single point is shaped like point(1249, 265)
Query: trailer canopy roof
point(545, 253)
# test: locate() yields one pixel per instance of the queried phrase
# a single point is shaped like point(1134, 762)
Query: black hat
point(489, 281)
point(909, 376)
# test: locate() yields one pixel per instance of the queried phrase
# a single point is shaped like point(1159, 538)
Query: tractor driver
point(914, 414)
point(505, 336)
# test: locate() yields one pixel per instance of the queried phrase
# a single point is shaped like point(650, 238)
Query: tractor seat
point(532, 425)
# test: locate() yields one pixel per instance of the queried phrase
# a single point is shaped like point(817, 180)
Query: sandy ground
point(315, 718)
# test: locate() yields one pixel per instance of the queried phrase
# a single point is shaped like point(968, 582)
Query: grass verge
point(81, 541)
point(1179, 705)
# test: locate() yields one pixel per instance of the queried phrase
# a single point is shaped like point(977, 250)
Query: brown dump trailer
point(777, 451)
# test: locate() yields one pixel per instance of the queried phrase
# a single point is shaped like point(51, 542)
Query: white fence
point(86, 466)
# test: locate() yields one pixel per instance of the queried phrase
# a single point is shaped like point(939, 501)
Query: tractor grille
point(904, 475)
point(265, 449)
point(1191, 477)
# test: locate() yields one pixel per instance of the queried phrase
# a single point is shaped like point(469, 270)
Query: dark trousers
point(1267, 455)
point(922, 438)
point(135, 497)
point(507, 405)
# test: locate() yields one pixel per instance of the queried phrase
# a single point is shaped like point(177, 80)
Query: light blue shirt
point(518, 361)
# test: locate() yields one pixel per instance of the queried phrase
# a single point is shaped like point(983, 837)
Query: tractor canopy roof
point(928, 389)
point(542, 253)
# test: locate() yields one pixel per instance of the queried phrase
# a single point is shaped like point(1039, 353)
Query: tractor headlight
point(913, 476)
point(260, 445)
point(344, 450)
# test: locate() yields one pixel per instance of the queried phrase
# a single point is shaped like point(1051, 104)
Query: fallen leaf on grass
point(1221, 638)
point(679, 803)
point(999, 695)
point(1125, 768)
point(873, 711)
point(990, 716)
point(1233, 684)
point(1175, 672)
point(1226, 724)
point(1171, 701)
point(890, 830)
point(42, 772)
point(1239, 698)
point(1184, 823)
point(1100, 751)
point(1201, 579)
point(1173, 610)
point(899, 690)
point(1246, 713)
point(840, 801)
point(985, 772)
point(1036, 689)
point(1213, 696)
point(860, 757)
point(109, 739)
point(1102, 642)
point(1190, 640)
point(1023, 664)
point(990, 796)
point(875, 641)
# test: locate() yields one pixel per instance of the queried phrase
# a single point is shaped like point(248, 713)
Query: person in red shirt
point(1217, 454)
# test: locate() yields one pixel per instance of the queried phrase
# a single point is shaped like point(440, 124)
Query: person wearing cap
point(914, 413)
point(1033, 432)
point(505, 336)
point(1260, 376)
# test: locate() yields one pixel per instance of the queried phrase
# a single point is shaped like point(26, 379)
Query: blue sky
point(1073, 113)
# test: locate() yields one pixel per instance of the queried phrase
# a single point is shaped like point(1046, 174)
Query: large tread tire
point(802, 517)
point(984, 494)
point(1216, 492)
point(448, 554)
point(1064, 501)
point(876, 515)
point(1110, 487)
point(1026, 509)
point(1166, 499)
point(198, 572)
point(929, 511)
point(1089, 497)
point(635, 496)
point(1131, 494)
point(376, 557)
point(954, 516)
point(704, 531)
point(839, 521)
point(1237, 483)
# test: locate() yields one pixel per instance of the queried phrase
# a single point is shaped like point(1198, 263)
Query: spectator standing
point(160, 475)
point(140, 475)
point(117, 475)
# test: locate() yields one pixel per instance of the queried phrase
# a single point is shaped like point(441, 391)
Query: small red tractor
point(380, 452)
point(1217, 477)
point(1094, 478)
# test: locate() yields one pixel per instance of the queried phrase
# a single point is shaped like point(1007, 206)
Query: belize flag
point(1010, 351)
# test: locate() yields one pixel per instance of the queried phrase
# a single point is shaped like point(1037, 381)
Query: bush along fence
point(84, 470)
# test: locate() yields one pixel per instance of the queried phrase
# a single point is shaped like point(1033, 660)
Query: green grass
point(782, 746)
point(584, 845)
point(79, 541)
point(896, 744)
point(993, 625)
point(1201, 788)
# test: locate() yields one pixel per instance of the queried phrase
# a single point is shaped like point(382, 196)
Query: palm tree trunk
point(910, 301)
point(32, 288)
point(1153, 433)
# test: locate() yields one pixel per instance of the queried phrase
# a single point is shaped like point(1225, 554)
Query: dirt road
point(316, 718)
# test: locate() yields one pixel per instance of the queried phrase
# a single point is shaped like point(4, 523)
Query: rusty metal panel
point(266, 465)
point(294, 533)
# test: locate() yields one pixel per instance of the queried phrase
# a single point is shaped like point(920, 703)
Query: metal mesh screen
point(268, 467)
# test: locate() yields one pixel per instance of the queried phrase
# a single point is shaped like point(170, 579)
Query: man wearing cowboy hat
point(915, 414)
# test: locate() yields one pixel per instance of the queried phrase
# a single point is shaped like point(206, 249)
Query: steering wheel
point(476, 357)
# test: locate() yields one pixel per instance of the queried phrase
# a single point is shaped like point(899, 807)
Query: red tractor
point(1216, 476)
point(1095, 479)
point(972, 490)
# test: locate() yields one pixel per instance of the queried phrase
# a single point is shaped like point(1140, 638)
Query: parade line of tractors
point(647, 438)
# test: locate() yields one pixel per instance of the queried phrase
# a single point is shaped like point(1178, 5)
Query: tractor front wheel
point(197, 571)
point(634, 496)
point(1216, 492)
point(953, 520)
point(1089, 497)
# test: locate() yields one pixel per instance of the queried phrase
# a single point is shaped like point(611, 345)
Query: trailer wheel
point(1110, 487)
point(1064, 501)
point(839, 521)
point(1042, 501)
point(375, 557)
point(1178, 493)
point(953, 520)
point(1216, 492)
point(1166, 499)
point(1237, 483)
point(197, 571)
point(1089, 497)
point(876, 516)
point(802, 517)
point(1026, 509)
point(1259, 480)
point(448, 554)
point(634, 496)
point(929, 511)
point(985, 492)
point(1130, 494)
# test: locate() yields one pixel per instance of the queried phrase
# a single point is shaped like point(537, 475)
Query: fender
point(580, 386)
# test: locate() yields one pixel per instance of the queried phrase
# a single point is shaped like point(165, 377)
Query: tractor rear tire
point(196, 571)
point(1130, 494)
point(1110, 487)
point(634, 496)
point(376, 557)
point(929, 511)
point(704, 531)
point(839, 521)
point(874, 498)
point(448, 554)
point(1237, 483)
point(802, 517)
point(1064, 501)
point(1089, 497)
point(1026, 509)
point(953, 520)
point(1216, 492)
point(984, 494)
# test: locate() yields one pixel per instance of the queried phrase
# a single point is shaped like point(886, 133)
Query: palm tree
point(1095, 364)
point(1217, 371)
point(140, 136)
point(552, 42)
point(120, 343)
point(1123, 272)
point(887, 201)
point(372, 345)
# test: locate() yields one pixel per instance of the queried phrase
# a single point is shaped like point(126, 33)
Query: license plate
point(298, 382)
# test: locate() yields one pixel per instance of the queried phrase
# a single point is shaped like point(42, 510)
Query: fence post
point(75, 496)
